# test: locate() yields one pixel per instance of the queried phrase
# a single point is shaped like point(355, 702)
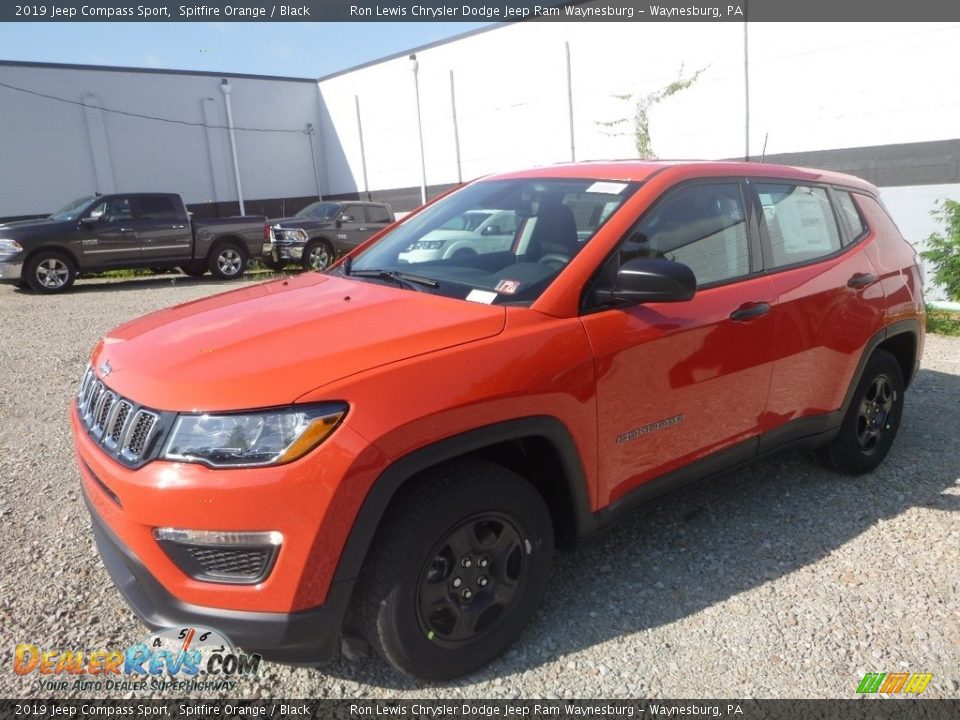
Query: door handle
point(749, 311)
point(361, 228)
point(860, 280)
point(126, 229)
point(178, 227)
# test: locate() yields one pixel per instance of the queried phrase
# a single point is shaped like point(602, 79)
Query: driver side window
point(702, 226)
point(113, 210)
point(352, 214)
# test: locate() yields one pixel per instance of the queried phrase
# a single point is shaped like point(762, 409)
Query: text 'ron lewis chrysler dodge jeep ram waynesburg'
point(396, 448)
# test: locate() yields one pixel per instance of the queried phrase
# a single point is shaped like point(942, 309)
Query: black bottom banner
point(873, 709)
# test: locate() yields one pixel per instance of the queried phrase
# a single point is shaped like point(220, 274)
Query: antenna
point(764, 153)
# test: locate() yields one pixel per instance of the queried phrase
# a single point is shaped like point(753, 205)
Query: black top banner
point(483, 11)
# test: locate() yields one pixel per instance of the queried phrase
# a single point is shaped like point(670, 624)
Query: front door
point(677, 382)
point(113, 239)
point(352, 227)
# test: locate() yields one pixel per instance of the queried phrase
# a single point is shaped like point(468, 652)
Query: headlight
point(427, 245)
point(10, 246)
point(270, 437)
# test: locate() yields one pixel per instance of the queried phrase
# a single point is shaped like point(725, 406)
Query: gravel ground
point(783, 580)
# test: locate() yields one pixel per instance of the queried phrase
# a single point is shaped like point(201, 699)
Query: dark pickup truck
point(322, 232)
point(128, 230)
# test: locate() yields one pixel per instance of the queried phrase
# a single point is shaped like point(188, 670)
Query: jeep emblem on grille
point(105, 368)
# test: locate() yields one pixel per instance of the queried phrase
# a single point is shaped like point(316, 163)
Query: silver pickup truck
point(125, 230)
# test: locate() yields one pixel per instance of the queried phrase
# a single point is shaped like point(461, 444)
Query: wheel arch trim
point(909, 326)
point(385, 487)
point(59, 249)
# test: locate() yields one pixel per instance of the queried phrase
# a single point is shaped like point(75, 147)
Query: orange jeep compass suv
point(395, 448)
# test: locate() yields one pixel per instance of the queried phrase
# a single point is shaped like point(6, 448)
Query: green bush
point(943, 250)
point(943, 322)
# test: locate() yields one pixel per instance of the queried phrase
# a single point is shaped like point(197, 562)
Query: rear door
point(378, 217)
point(677, 382)
point(163, 228)
point(828, 302)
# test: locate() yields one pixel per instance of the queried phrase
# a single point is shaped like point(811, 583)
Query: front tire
point(227, 261)
point(457, 571)
point(317, 255)
point(872, 420)
point(49, 271)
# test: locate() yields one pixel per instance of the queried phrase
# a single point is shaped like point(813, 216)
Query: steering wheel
point(554, 260)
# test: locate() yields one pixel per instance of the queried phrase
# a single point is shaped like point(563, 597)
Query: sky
point(289, 49)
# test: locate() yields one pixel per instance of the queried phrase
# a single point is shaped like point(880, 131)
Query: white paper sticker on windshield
point(482, 296)
point(610, 188)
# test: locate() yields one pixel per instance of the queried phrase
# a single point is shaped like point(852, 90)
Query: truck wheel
point(227, 261)
point(49, 271)
point(457, 570)
point(872, 420)
point(317, 255)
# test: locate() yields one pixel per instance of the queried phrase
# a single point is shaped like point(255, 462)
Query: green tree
point(943, 249)
point(641, 113)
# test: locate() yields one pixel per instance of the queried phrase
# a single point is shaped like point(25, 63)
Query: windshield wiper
point(400, 278)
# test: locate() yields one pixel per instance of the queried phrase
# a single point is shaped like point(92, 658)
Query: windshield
point(498, 241)
point(72, 210)
point(318, 210)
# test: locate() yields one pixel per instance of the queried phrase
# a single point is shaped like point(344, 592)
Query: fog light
point(221, 556)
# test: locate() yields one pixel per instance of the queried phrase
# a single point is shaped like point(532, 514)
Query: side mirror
point(651, 280)
point(491, 230)
point(344, 218)
point(89, 221)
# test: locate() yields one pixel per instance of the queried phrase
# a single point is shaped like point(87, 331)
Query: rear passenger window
point(377, 214)
point(800, 223)
point(702, 226)
point(156, 208)
point(851, 216)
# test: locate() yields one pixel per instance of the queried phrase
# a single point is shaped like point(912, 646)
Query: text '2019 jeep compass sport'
point(409, 441)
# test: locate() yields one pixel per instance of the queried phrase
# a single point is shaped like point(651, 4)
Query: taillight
point(266, 231)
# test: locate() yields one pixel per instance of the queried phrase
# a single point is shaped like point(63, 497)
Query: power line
point(145, 117)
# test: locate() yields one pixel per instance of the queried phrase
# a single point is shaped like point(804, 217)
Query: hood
point(28, 228)
point(269, 344)
point(292, 223)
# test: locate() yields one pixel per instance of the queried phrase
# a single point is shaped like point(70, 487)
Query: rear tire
point(227, 261)
point(49, 272)
point(872, 420)
point(457, 570)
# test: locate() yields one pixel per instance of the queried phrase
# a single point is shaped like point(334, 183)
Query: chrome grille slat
point(120, 426)
point(141, 430)
point(107, 398)
point(114, 429)
point(92, 402)
point(87, 391)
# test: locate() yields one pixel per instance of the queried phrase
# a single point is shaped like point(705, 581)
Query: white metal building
point(881, 101)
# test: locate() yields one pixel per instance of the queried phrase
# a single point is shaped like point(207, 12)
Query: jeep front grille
point(121, 427)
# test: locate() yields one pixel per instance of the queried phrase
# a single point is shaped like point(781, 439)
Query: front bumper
point(11, 270)
point(306, 637)
point(284, 251)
